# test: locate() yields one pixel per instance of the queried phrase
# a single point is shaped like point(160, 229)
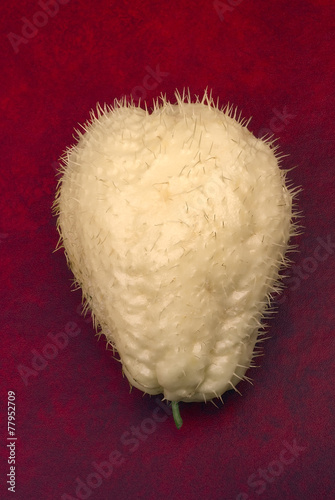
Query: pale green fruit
point(175, 224)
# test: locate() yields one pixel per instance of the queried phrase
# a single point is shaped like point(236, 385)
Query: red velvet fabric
point(80, 433)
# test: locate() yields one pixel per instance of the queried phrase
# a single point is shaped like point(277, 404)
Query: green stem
point(176, 414)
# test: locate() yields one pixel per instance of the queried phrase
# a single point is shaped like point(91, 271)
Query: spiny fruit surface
point(175, 224)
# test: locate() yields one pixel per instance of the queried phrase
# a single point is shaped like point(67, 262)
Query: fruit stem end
point(176, 414)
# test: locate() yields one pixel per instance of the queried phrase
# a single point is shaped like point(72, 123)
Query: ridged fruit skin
point(175, 224)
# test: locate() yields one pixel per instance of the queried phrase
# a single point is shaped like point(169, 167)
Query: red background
point(268, 58)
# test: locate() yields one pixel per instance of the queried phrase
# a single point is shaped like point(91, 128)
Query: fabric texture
point(80, 432)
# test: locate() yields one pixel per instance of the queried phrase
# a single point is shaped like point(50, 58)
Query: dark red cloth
point(75, 417)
